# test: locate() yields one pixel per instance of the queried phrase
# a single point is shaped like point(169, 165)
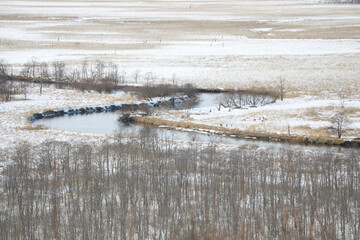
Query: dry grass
point(313, 114)
point(306, 74)
point(317, 136)
point(32, 128)
point(352, 111)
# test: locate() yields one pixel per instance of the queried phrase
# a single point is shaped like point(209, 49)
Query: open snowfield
point(211, 44)
point(226, 44)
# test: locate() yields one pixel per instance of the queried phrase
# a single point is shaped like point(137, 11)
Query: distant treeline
point(97, 71)
point(139, 188)
point(342, 1)
point(97, 76)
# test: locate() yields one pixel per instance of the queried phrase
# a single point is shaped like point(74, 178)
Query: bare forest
point(141, 189)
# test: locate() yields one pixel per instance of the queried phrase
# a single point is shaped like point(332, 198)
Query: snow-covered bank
point(15, 115)
point(299, 118)
point(304, 119)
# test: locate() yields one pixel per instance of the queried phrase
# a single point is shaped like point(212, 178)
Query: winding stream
point(107, 123)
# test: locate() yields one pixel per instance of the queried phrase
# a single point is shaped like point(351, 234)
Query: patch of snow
point(290, 30)
point(261, 30)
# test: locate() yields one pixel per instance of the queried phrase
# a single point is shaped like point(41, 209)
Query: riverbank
point(16, 126)
point(186, 126)
point(15, 115)
point(306, 120)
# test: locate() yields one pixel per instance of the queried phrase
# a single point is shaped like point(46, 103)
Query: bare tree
point(44, 70)
point(3, 67)
point(99, 69)
point(240, 99)
point(122, 77)
point(26, 70)
point(7, 88)
point(84, 69)
point(112, 74)
point(74, 75)
point(149, 77)
point(342, 95)
point(136, 75)
point(24, 89)
point(59, 71)
point(340, 123)
point(30, 68)
point(281, 87)
point(34, 67)
point(174, 79)
point(44, 74)
point(343, 1)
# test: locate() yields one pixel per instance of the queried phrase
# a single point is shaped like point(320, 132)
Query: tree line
point(97, 71)
point(146, 189)
point(240, 99)
point(343, 1)
point(99, 76)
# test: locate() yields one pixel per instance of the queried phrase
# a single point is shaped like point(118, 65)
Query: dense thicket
point(140, 189)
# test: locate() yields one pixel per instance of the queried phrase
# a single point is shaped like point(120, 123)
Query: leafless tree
point(343, 1)
point(26, 70)
point(74, 75)
point(122, 77)
point(136, 187)
point(224, 100)
point(44, 70)
point(99, 69)
point(3, 67)
point(7, 89)
point(136, 75)
point(24, 89)
point(113, 73)
point(84, 69)
point(59, 71)
point(34, 67)
point(239, 99)
point(174, 79)
point(340, 123)
point(281, 87)
point(30, 68)
point(342, 95)
point(150, 77)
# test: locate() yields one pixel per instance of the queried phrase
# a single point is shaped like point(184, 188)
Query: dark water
point(107, 123)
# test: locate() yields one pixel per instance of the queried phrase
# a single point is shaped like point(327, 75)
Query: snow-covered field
point(212, 44)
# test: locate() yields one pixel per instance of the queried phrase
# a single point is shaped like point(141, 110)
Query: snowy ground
point(245, 44)
point(212, 44)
